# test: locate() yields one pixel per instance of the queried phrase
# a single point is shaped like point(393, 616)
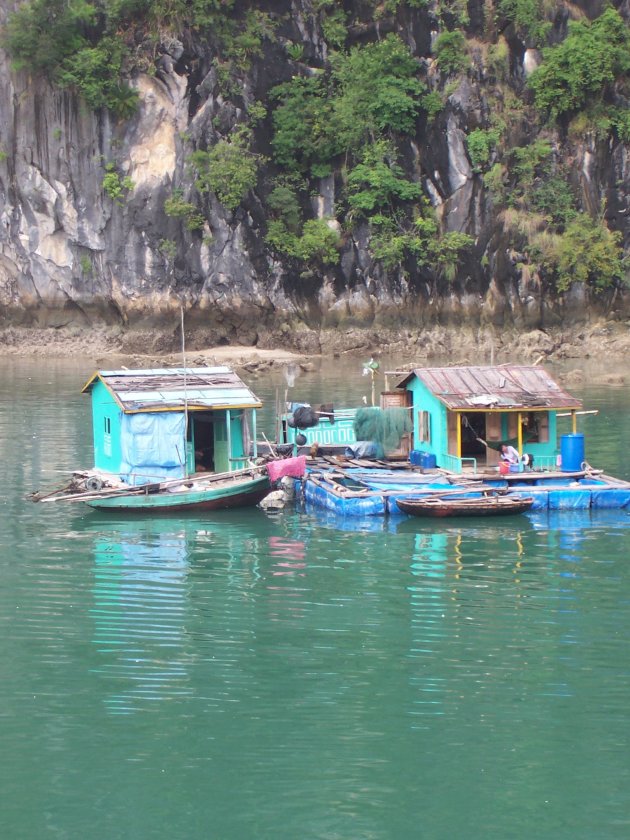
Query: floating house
point(462, 415)
point(169, 423)
point(461, 418)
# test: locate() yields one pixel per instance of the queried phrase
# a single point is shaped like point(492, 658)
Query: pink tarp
point(295, 467)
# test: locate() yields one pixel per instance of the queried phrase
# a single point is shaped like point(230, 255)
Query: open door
point(201, 432)
point(474, 428)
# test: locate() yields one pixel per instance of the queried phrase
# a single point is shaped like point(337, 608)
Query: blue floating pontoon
point(473, 429)
point(374, 492)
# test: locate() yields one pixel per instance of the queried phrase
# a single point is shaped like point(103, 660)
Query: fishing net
point(385, 426)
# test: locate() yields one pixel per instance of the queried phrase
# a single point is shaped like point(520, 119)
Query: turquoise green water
point(246, 675)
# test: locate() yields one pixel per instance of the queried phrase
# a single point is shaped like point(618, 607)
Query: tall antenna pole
point(181, 309)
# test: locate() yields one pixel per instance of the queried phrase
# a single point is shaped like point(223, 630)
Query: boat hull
point(239, 493)
point(440, 508)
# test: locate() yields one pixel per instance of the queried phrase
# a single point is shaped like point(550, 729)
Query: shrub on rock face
point(229, 169)
point(324, 116)
point(583, 66)
point(527, 18)
point(177, 208)
point(318, 242)
point(480, 144)
point(378, 181)
point(451, 52)
point(115, 185)
point(72, 43)
point(587, 252)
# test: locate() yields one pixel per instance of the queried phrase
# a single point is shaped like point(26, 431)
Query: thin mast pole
point(181, 309)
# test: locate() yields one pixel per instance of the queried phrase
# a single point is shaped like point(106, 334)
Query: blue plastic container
point(572, 452)
point(415, 457)
point(428, 461)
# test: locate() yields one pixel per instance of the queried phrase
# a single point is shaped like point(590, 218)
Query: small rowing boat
point(439, 506)
point(209, 491)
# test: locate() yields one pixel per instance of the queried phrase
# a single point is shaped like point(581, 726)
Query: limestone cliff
point(74, 252)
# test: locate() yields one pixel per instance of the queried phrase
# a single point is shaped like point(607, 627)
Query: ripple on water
point(297, 676)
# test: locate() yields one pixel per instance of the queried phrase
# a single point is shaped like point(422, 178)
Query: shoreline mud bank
point(604, 342)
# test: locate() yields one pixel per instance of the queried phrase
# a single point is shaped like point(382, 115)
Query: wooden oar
point(273, 451)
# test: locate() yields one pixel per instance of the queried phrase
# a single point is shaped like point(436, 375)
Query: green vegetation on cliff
point(584, 68)
point(355, 120)
point(229, 169)
point(327, 123)
point(77, 45)
point(318, 118)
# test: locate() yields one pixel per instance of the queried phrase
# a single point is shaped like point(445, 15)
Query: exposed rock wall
point(70, 254)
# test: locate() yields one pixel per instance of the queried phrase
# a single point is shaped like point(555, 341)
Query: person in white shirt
point(509, 454)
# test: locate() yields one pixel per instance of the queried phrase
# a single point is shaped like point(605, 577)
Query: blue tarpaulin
point(153, 446)
point(569, 499)
point(356, 506)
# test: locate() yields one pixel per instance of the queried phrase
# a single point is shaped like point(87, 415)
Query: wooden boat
point(239, 488)
point(440, 506)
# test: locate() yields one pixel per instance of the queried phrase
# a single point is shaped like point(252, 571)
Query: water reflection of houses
point(448, 597)
point(153, 628)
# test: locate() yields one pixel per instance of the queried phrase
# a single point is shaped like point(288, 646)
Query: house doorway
point(473, 428)
point(201, 427)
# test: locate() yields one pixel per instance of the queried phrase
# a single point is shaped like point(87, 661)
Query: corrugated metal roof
point(502, 386)
point(166, 389)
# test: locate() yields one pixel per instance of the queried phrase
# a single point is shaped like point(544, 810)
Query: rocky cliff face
point(73, 253)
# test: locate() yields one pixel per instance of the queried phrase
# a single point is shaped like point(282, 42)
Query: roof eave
point(97, 377)
point(161, 409)
point(516, 407)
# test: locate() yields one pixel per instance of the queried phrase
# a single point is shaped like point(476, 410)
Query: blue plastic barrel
point(428, 461)
point(572, 452)
point(415, 457)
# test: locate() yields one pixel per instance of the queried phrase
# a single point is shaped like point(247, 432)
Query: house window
point(107, 438)
point(424, 426)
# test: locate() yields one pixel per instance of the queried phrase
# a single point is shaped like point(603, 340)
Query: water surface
point(251, 675)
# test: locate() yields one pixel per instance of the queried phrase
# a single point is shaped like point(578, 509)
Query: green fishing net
point(382, 425)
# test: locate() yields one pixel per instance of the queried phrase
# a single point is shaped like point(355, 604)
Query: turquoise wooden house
point(462, 415)
point(149, 425)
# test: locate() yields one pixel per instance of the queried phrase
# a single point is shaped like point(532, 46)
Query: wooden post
point(573, 422)
point(230, 454)
point(459, 435)
point(185, 400)
point(519, 434)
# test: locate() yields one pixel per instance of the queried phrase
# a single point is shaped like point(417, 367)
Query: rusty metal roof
point(170, 389)
point(501, 387)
